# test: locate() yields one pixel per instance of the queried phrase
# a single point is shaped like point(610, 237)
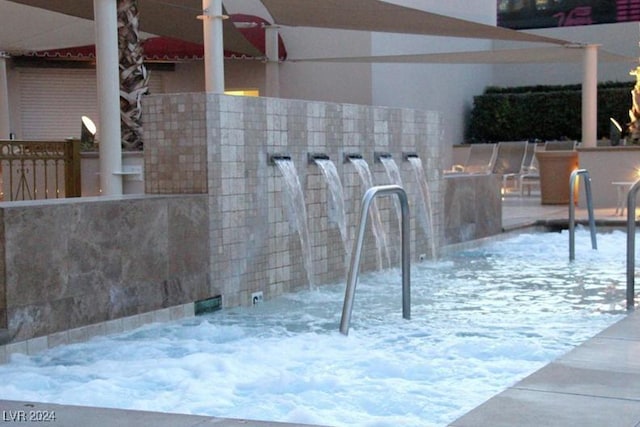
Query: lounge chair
point(479, 160)
point(509, 161)
point(530, 175)
point(529, 156)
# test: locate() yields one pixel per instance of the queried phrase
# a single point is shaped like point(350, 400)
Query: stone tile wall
point(252, 245)
point(76, 262)
point(73, 267)
point(176, 158)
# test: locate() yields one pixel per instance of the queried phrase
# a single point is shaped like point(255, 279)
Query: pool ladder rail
point(356, 252)
point(572, 211)
point(631, 244)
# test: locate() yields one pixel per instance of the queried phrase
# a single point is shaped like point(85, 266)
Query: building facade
point(46, 103)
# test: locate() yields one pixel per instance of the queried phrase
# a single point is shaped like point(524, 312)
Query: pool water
point(482, 319)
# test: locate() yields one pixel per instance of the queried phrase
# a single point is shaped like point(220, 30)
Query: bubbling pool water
point(481, 320)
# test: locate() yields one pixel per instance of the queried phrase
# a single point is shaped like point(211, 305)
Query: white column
point(213, 45)
point(273, 65)
point(590, 96)
point(108, 79)
point(5, 123)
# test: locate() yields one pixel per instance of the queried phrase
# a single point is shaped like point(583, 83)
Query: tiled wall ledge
point(85, 333)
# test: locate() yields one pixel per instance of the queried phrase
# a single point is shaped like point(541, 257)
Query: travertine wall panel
point(76, 262)
point(474, 207)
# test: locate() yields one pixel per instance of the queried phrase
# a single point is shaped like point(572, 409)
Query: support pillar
point(590, 96)
point(5, 122)
point(212, 18)
point(108, 85)
point(273, 61)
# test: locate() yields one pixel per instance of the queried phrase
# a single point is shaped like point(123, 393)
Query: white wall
point(238, 73)
point(445, 88)
point(345, 83)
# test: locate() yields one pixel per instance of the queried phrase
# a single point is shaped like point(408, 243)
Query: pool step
point(4, 337)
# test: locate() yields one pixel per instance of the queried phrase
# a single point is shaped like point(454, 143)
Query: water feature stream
point(336, 209)
point(425, 208)
point(393, 173)
point(384, 259)
point(296, 210)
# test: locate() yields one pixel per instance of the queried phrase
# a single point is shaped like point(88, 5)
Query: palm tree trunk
point(133, 74)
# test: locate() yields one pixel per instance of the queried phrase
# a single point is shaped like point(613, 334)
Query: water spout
point(406, 155)
point(312, 157)
point(273, 158)
point(379, 156)
point(351, 156)
point(296, 208)
point(425, 207)
point(393, 173)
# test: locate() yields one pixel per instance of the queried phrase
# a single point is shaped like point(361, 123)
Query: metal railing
point(40, 169)
point(572, 211)
point(356, 252)
point(631, 244)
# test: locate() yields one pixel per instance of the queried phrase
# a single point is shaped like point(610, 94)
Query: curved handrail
point(631, 243)
point(356, 253)
point(572, 211)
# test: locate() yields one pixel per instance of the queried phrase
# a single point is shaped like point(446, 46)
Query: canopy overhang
point(167, 49)
point(168, 18)
point(380, 16)
point(177, 19)
point(534, 55)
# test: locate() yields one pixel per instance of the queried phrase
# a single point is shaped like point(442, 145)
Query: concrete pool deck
point(595, 384)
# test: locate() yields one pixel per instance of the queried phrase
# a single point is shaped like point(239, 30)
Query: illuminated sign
point(522, 14)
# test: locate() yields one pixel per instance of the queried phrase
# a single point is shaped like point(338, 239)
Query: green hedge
point(543, 112)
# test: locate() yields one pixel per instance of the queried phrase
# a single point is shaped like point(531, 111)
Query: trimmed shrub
point(543, 112)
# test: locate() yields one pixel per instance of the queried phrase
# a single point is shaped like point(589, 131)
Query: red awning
point(174, 50)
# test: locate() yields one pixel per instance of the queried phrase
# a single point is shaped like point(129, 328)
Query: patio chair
point(509, 161)
point(479, 160)
point(530, 175)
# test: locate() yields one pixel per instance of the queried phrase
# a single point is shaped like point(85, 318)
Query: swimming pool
point(481, 320)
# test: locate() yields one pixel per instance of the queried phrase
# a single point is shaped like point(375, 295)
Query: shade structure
point(376, 15)
point(175, 50)
point(540, 55)
point(169, 18)
point(177, 19)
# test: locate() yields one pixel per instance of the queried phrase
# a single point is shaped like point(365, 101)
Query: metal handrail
point(572, 211)
point(356, 253)
point(35, 169)
point(631, 243)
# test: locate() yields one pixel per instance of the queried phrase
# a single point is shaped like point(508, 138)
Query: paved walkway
point(519, 212)
point(596, 384)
